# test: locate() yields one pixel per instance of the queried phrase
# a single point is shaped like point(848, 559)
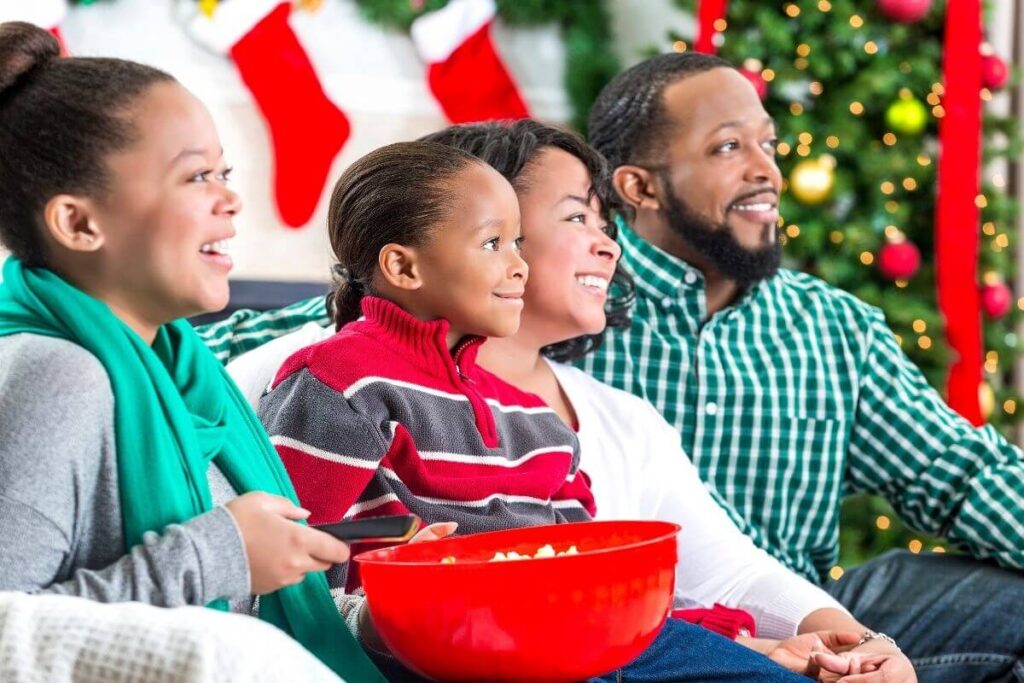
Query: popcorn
point(544, 551)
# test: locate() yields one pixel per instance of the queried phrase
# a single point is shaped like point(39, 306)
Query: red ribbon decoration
point(708, 12)
point(956, 214)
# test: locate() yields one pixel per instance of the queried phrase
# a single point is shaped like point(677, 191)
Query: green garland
point(586, 28)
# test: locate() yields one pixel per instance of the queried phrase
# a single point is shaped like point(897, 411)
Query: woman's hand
point(280, 552)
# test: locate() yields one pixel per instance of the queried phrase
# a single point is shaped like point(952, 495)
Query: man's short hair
point(628, 120)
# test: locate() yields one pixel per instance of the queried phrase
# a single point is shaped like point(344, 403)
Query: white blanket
point(59, 639)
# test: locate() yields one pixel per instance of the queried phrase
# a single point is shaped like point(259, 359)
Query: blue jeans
point(959, 619)
point(682, 652)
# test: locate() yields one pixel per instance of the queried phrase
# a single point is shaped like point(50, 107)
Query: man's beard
point(718, 245)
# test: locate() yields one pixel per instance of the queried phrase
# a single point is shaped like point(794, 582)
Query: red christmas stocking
point(306, 128)
point(43, 13)
point(465, 72)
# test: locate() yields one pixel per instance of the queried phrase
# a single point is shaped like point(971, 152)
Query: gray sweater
point(60, 510)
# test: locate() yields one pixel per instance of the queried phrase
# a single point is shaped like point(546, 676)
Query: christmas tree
point(856, 90)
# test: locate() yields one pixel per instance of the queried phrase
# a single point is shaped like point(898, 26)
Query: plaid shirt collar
point(662, 276)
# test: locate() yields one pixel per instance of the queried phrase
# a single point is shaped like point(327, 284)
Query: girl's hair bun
point(24, 48)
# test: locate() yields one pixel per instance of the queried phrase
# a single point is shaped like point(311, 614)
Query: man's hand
point(876, 661)
point(801, 654)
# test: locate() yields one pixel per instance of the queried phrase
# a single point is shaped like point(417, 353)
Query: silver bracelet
point(874, 635)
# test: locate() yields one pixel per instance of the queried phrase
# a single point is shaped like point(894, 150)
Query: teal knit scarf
point(175, 410)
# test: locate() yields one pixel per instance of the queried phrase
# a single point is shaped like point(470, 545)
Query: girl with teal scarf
point(114, 205)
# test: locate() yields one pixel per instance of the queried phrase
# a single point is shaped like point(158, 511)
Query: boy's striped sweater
point(382, 419)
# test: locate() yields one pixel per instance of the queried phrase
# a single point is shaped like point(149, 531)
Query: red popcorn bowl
point(563, 618)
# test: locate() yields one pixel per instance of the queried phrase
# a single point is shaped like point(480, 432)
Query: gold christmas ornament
point(811, 181)
point(986, 399)
point(208, 7)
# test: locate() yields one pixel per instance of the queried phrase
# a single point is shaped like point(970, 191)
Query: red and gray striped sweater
point(382, 419)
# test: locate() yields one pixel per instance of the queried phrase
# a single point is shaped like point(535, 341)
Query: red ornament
point(756, 80)
point(899, 260)
point(905, 11)
point(996, 299)
point(751, 70)
point(994, 72)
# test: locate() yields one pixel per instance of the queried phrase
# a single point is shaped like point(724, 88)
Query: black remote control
point(393, 528)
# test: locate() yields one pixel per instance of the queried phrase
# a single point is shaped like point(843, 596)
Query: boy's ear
point(399, 266)
point(69, 223)
point(637, 186)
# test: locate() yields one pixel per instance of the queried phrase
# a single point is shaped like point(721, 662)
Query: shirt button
point(711, 408)
point(667, 302)
point(690, 278)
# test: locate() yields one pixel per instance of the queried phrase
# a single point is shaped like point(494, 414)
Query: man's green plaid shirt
point(793, 397)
